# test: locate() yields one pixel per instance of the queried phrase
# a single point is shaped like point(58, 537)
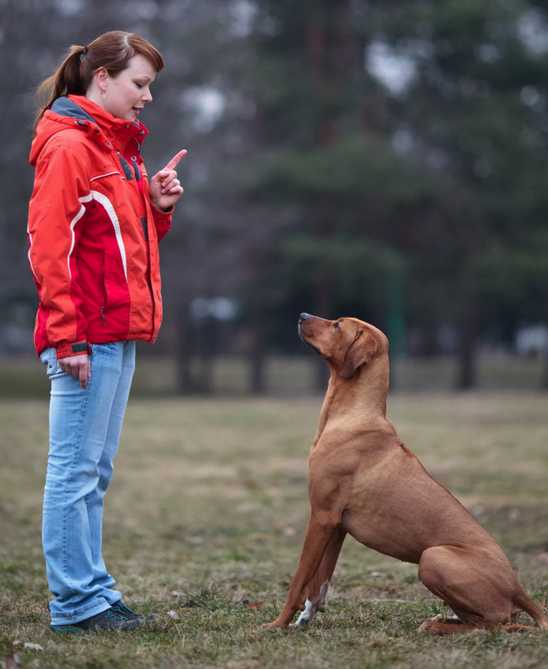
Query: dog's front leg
point(318, 535)
point(319, 584)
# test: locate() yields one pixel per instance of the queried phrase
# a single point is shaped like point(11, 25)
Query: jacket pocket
point(116, 290)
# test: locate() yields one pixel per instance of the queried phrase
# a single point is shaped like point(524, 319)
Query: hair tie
point(83, 53)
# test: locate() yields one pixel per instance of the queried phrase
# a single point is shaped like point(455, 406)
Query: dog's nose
point(303, 316)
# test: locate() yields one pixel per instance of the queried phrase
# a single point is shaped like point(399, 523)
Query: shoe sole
point(73, 629)
point(66, 629)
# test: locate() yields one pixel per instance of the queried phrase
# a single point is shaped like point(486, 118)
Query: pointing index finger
point(172, 164)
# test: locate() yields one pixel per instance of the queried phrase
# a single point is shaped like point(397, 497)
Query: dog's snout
point(303, 316)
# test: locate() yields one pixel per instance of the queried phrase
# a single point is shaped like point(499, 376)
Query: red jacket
point(93, 233)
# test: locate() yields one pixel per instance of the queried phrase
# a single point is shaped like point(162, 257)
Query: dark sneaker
point(107, 621)
point(129, 614)
point(123, 610)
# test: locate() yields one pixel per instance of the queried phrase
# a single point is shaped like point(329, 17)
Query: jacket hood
point(77, 111)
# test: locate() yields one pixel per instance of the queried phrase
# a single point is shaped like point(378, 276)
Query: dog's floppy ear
point(359, 353)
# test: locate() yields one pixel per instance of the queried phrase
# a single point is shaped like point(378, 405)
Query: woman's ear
point(360, 352)
point(101, 78)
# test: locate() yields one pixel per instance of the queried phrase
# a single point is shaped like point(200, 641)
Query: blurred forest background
point(386, 160)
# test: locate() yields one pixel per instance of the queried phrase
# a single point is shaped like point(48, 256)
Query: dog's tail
point(525, 603)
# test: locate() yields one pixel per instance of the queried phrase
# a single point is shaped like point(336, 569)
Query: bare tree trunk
point(206, 348)
point(185, 381)
point(257, 364)
point(467, 354)
point(331, 52)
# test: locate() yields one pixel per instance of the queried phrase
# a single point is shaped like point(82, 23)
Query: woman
point(94, 225)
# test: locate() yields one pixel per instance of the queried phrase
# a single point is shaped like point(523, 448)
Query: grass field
point(204, 525)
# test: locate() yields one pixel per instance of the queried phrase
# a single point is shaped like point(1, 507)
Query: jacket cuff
point(162, 220)
point(75, 348)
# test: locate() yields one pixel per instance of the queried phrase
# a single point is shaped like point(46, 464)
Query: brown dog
point(364, 481)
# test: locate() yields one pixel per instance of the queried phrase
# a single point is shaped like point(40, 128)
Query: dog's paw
point(274, 625)
point(306, 615)
point(300, 623)
point(427, 625)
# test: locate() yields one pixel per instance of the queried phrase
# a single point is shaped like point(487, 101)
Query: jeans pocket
point(53, 368)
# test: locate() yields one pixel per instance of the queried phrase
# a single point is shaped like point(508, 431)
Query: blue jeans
point(85, 426)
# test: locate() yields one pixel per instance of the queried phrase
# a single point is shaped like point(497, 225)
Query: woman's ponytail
point(66, 79)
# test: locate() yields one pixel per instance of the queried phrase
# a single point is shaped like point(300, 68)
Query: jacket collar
point(67, 107)
point(118, 130)
point(76, 111)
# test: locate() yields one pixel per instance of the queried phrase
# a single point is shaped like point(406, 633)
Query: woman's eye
point(139, 85)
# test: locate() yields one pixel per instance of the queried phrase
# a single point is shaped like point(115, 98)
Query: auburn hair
point(111, 50)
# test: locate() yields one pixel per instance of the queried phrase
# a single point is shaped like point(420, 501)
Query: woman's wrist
point(169, 210)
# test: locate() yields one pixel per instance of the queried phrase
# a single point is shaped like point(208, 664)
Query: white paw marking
point(306, 615)
point(311, 607)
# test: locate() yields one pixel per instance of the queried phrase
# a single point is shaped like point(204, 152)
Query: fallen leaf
point(32, 646)
point(253, 605)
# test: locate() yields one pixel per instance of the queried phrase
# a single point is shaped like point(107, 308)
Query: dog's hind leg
point(317, 590)
point(478, 587)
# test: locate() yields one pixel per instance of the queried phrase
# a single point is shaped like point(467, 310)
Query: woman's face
point(125, 94)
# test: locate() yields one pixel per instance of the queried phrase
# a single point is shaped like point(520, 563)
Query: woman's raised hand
point(165, 187)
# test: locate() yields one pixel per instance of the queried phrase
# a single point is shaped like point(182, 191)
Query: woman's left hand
point(165, 187)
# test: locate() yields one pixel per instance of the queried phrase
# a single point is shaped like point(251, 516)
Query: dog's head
point(346, 343)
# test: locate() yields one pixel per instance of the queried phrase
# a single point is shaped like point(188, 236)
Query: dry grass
point(205, 519)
